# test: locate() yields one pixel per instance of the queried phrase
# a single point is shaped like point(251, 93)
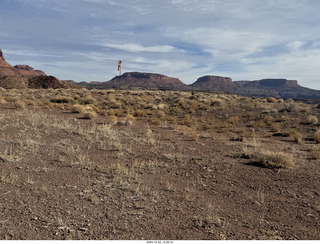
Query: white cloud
point(132, 47)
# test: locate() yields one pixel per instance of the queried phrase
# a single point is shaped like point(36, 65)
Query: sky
point(83, 40)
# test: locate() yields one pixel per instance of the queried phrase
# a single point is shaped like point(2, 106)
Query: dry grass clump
point(195, 136)
point(62, 99)
point(268, 119)
point(186, 120)
point(271, 100)
point(312, 120)
point(89, 114)
point(88, 100)
point(316, 136)
point(297, 136)
point(140, 113)
point(315, 153)
point(19, 104)
point(260, 124)
point(233, 120)
point(112, 119)
point(78, 108)
point(276, 127)
point(266, 158)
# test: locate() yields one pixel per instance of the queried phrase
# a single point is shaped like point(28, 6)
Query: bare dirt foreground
point(66, 177)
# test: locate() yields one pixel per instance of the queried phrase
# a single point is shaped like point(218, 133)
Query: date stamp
point(160, 242)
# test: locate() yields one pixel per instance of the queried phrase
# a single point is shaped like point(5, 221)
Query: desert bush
point(87, 100)
point(62, 99)
point(312, 119)
point(159, 114)
point(19, 104)
point(112, 119)
point(114, 112)
point(316, 136)
point(130, 117)
point(297, 136)
point(195, 136)
point(216, 102)
point(289, 100)
point(89, 114)
point(28, 101)
point(78, 108)
point(283, 118)
point(260, 124)
point(10, 99)
point(244, 132)
point(276, 127)
point(186, 120)
point(271, 100)
point(139, 113)
point(172, 120)
point(268, 159)
point(268, 119)
point(315, 153)
point(155, 121)
point(233, 120)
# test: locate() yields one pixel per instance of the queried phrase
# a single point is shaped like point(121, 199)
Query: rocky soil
point(66, 177)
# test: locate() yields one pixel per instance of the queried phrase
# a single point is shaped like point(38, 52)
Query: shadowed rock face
point(136, 79)
point(215, 83)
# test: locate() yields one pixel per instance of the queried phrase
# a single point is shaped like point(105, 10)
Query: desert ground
point(147, 165)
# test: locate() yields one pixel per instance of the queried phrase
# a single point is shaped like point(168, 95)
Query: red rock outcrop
point(27, 70)
point(24, 76)
point(7, 69)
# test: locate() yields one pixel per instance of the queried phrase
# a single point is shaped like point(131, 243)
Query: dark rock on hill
point(214, 83)
point(144, 80)
point(46, 82)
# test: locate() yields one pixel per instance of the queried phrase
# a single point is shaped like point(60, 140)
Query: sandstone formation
point(213, 83)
